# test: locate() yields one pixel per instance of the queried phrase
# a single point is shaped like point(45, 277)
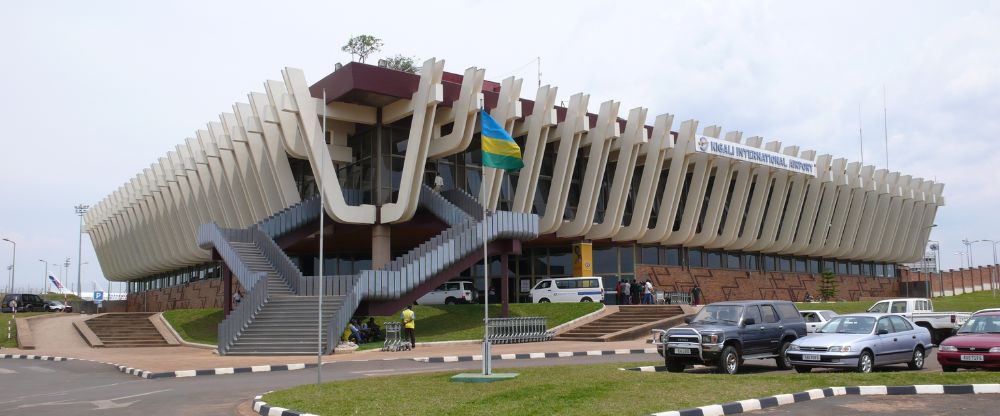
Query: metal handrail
point(464, 201)
point(441, 207)
point(238, 319)
point(212, 236)
point(278, 259)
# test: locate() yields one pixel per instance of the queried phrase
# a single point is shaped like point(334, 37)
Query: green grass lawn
point(9, 317)
point(196, 325)
point(434, 323)
point(969, 302)
point(588, 389)
point(462, 322)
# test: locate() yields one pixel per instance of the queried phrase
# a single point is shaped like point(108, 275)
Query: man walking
point(408, 317)
point(696, 295)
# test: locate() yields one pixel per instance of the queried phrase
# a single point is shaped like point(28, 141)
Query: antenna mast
point(885, 127)
point(861, 136)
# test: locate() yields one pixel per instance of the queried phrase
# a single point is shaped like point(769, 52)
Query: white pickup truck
point(921, 312)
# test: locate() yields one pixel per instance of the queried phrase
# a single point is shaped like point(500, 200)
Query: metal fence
point(679, 298)
point(394, 338)
point(517, 330)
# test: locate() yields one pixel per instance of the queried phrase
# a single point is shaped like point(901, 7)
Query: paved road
point(42, 388)
point(924, 405)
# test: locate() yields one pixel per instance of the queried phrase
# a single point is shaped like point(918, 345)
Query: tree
point(828, 286)
point(403, 63)
point(362, 46)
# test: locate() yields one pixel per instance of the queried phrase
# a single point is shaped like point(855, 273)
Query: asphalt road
point(42, 388)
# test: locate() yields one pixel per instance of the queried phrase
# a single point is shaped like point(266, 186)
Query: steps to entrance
point(124, 330)
point(286, 325)
point(631, 321)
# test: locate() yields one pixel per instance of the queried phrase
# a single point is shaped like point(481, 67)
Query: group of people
point(634, 293)
point(360, 332)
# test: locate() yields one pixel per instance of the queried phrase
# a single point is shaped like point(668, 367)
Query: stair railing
point(212, 236)
point(278, 258)
point(441, 207)
point(244, 312)
point(335, 326)
point(465, 202)
point(291, 218)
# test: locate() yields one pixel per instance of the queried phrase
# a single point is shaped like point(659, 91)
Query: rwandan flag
point(499, 149)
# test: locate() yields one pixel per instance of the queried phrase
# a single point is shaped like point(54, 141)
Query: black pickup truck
point(724, 334)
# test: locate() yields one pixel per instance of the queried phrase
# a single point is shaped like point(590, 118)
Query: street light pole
point(45, 275)
point(993, 268)
point(13, 262)
point(80, 210)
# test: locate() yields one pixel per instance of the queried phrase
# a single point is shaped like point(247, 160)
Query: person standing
point(648, 296)
point(408, 318)
point(626, 296)
point(696, 295)
point(618, 292)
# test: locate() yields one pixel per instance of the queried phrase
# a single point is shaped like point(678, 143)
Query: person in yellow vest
point(408, 325)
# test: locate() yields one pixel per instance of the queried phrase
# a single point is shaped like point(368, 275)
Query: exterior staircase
point(279, 314)
point(126, 330)
point(630, 322)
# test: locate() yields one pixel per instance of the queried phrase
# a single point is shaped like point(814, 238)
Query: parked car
point(57, 306)
point(920, 311)
point(862, 341)
point(976, 345)
point(450, 293)
point(724, 334)
point(26, 302)
point(568, 289)
point(815, 319)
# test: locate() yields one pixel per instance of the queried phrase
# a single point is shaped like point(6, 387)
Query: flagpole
point(319, 324)
point(487, 354)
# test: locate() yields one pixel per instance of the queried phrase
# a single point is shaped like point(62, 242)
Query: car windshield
point(984, 324)
point(849, 325)
point(718, 313)
point(56, 303)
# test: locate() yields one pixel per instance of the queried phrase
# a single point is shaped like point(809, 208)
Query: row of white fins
point(236, 173)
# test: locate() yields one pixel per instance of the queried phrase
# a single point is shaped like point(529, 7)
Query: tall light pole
point(13, 262)
point(80, 210)
point(993, 268)
point(968, 249)
point(45, 276)
point(961, 258)
point(66, 276)
point(937, 255)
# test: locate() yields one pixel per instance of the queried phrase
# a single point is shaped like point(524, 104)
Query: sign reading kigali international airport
point(719, 147)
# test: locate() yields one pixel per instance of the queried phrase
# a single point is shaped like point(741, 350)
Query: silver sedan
point(862, 341)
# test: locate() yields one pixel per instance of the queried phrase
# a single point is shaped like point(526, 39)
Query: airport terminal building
point(605, 191)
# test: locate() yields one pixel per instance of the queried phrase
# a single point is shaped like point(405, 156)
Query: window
point(900, 324)
point(627, 259)
point(855, 269)
point(672, 256)
point(545, 284)
point(785, 264)
point(800, 265)
point(694, 258)
point(899, 306)
point(814, 266)
point(811, 316)
point(454, 286)
point(841, 267)
point(881, 307)
point(567, 284)
point(649, 255)
point(733, 261)
point(750, 262)
point(714, 259)
point(752, 313)
point(767, 311)
point(606, 260)
point(588, 283)
point(788, 311)
point(884, 325)
point(829, 265)
point(769, 265)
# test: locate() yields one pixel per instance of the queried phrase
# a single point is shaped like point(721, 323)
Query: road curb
point(534, 355)
point(33, 357)
point(262, 408)
point(138, 372)
point(744, 406)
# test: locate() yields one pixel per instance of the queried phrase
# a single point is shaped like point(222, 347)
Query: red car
point(976, 345)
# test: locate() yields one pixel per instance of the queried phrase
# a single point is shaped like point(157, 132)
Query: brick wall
point(201, 294)
point(954, 282)
point(721, 284)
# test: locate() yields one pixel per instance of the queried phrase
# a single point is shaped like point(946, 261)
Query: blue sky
point(95, 91)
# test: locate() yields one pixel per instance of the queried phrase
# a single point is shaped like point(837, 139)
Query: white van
point(450, 293)
point(569, 289)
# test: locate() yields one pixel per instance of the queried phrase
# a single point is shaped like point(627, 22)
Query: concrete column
point(504, 287)
point(381, 247)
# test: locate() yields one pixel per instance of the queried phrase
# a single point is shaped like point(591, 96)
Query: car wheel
point(729, 361)
point(784, 363)
point(449, 301)
point(543, 300)
point(866, 362)
point(675, 367)
point(586, 300)
point(918, 359)
point(949, 369)
point(802, 369)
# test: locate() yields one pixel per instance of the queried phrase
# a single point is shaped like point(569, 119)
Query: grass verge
point(589, 389)
point(460, 322)
point(196, 325)
point(969, 302)
point(8, 318)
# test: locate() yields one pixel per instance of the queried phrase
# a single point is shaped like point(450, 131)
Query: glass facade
point(179, 277)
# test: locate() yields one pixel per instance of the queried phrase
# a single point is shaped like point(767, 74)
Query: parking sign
point(98, 296)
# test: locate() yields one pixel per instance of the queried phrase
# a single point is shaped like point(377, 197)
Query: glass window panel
point(713, 259)
point(770, 264)
point(733, 261)
point(785, 264)
point(606, 260)
point(800, 265)
point(560, 262)
point(626, 258)
point(841, 267)
point(750, 262)
point(672, 256)
point(649, 255)
point(694, 258)
point(855, 269)
point(813, 266)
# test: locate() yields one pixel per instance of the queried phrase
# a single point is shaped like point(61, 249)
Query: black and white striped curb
point(646, 369)
point(815, 394)
point(33, 357)
point(264, 409)
point(534, 355)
